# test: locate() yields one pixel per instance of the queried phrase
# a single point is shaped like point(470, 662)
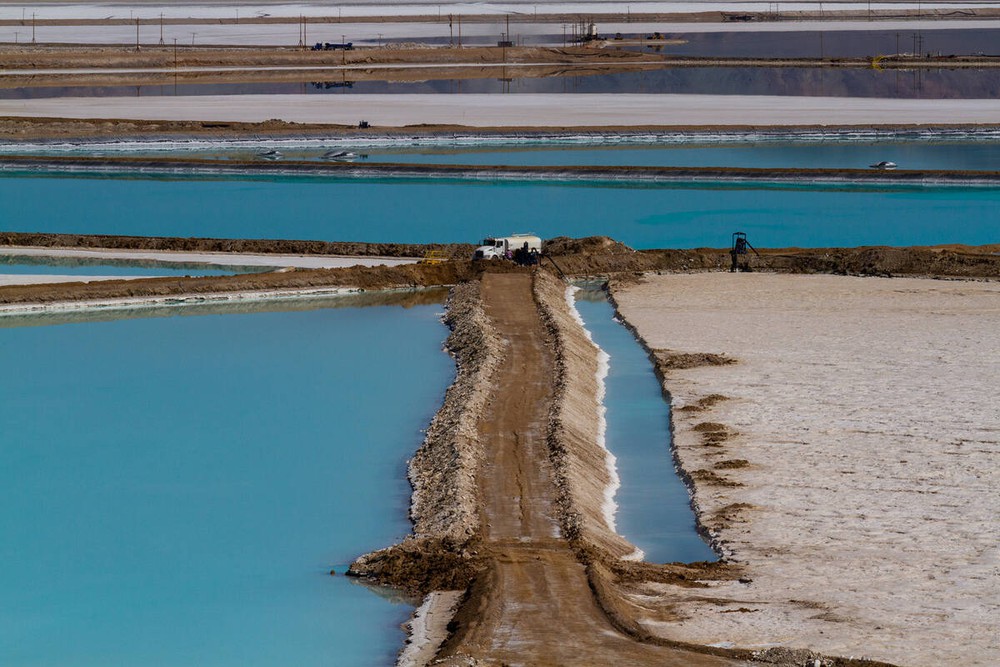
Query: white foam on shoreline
point(418, 634)
point(427, 628)
point(609, 508)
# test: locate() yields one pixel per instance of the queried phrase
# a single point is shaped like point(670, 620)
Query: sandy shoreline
point(833, 466)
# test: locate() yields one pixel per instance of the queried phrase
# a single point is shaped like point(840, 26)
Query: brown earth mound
point(944, 261)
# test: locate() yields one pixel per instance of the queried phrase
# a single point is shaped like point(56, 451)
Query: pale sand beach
point(851, 468)
point(522, 110)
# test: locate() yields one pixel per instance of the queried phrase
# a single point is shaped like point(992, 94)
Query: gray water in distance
point(174, 490)
point(654, 508)
point(923, 83)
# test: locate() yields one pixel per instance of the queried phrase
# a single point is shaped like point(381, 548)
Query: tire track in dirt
point(534, 604)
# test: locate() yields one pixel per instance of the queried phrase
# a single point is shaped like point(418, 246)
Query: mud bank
point(354, 278)
point(601, 255)
point(243, 246)
point(437, 559)
point(563, 586)
point(582, 465)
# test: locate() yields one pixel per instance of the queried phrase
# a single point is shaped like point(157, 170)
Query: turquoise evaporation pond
point(444, 210)
point(654, 508)
point(174, 491)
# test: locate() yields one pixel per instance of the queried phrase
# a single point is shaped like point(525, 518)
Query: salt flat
point(522, 110)
point(867, 415)
point(218, 258)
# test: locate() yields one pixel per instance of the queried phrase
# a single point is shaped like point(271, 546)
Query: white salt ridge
point(609, 507)
point(131, 303)
point(427, 628)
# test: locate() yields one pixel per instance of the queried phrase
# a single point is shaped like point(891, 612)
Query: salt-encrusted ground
point(522, 110)
point(868, 412)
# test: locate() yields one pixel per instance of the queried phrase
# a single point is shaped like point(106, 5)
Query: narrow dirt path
point(534, 606)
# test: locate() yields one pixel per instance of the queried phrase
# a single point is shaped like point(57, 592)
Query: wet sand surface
point(534, 606)
point(848, 460)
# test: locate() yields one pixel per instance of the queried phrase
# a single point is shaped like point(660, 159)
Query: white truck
point(503, 247)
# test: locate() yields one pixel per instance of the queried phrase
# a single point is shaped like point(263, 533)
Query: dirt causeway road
point(536, 607)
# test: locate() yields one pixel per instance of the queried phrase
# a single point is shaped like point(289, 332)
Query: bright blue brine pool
point(419, 211)
point(174, 491)
point(654, 508)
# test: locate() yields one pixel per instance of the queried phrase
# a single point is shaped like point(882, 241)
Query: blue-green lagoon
point(174, 490)
point(668, 215)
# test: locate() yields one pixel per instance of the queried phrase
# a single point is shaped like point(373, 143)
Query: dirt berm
point(357, 277)
point(509, 500)
point(600, 255)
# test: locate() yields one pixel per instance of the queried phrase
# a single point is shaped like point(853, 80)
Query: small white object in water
point(339, 155)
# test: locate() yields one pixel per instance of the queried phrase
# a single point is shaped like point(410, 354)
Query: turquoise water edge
point(654, 508)
point(174, 491)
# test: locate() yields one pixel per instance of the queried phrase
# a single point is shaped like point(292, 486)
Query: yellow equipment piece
point(434, 257)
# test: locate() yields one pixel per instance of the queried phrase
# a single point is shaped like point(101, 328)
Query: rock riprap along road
point(533, 605)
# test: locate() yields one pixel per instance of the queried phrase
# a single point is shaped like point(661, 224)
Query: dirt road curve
point(535, 606)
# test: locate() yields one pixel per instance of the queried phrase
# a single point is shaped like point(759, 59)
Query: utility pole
point(32, 27)
point(161, 28)
point(175, 53)
point(459, 31)
point(451, 32)
point(137, 34)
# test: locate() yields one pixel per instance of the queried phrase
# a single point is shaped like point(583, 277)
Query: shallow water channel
point(175, 489)
point(654, 508)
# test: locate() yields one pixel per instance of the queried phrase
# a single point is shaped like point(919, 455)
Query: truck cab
point(503, 247)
